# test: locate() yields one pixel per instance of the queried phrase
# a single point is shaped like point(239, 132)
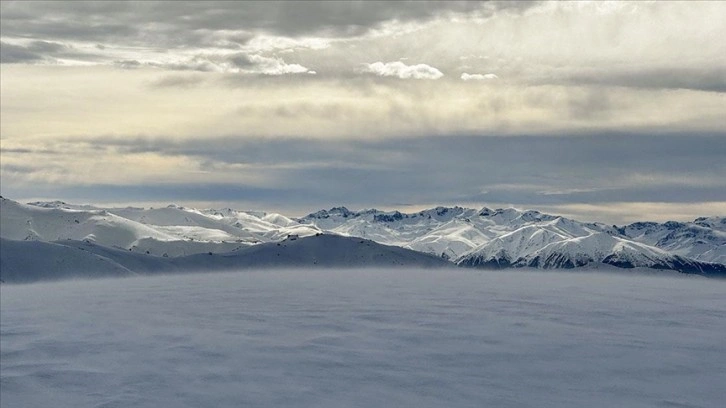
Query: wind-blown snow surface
point(364, 338)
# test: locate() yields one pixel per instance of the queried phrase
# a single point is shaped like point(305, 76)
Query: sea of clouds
point(363, 338)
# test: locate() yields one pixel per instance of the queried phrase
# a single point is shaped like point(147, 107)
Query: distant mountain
point(703, 239)
point(503, 238)
point(441, 231)
point(487, 238)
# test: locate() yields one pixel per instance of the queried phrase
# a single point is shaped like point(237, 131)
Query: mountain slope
point(31, 223)
point(314, 251)
point(29, 261)
point(171, 231)
point(443, 231)
point(503, 251)
point(703, 239)
point(217, 225)
point(591, 249)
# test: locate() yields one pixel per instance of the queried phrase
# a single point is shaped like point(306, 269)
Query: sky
point(602, 111)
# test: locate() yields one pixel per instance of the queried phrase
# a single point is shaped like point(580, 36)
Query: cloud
point(37, 52)
point(571, 68)
point(711, 79)
point(31, 52)
point(274, 66)
point(187, 22)
point(550, 169)
point(177, 81)
point(632, 45)
point(238, 63)
point(622, 213)
point(37, 103)
point(127, 64)
point(197, 63)
point(538, 171)
point(12, 54)
point(478, 77)
point(403, 71)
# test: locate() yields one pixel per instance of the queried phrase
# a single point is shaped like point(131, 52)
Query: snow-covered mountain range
point(512, 237)
point(491, 238)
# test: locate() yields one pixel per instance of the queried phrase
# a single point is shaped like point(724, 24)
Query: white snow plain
point(365, 338)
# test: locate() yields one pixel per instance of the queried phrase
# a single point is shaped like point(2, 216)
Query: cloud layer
point(526, 171)
point(567, 104)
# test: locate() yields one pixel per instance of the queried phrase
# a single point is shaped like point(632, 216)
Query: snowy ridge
point(32, 223)
point(596, 247)
point(171, 231)
point(488, 238)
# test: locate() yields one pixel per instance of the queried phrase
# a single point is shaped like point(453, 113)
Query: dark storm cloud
point(522, 170)
point(186, 23)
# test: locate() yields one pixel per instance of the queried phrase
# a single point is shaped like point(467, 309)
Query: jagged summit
point(335, 211)
point(439, 213)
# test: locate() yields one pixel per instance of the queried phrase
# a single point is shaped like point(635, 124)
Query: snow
point(197, 233)
point(487, 237)
point(184, 247)
point(363, 338)
point(436, 231)
point(515, 245)
point(26, 222)
point(596, 247)
point(174, 230)
point(703, 240)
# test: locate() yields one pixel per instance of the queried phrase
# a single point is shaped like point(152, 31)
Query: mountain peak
point(335, 211)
